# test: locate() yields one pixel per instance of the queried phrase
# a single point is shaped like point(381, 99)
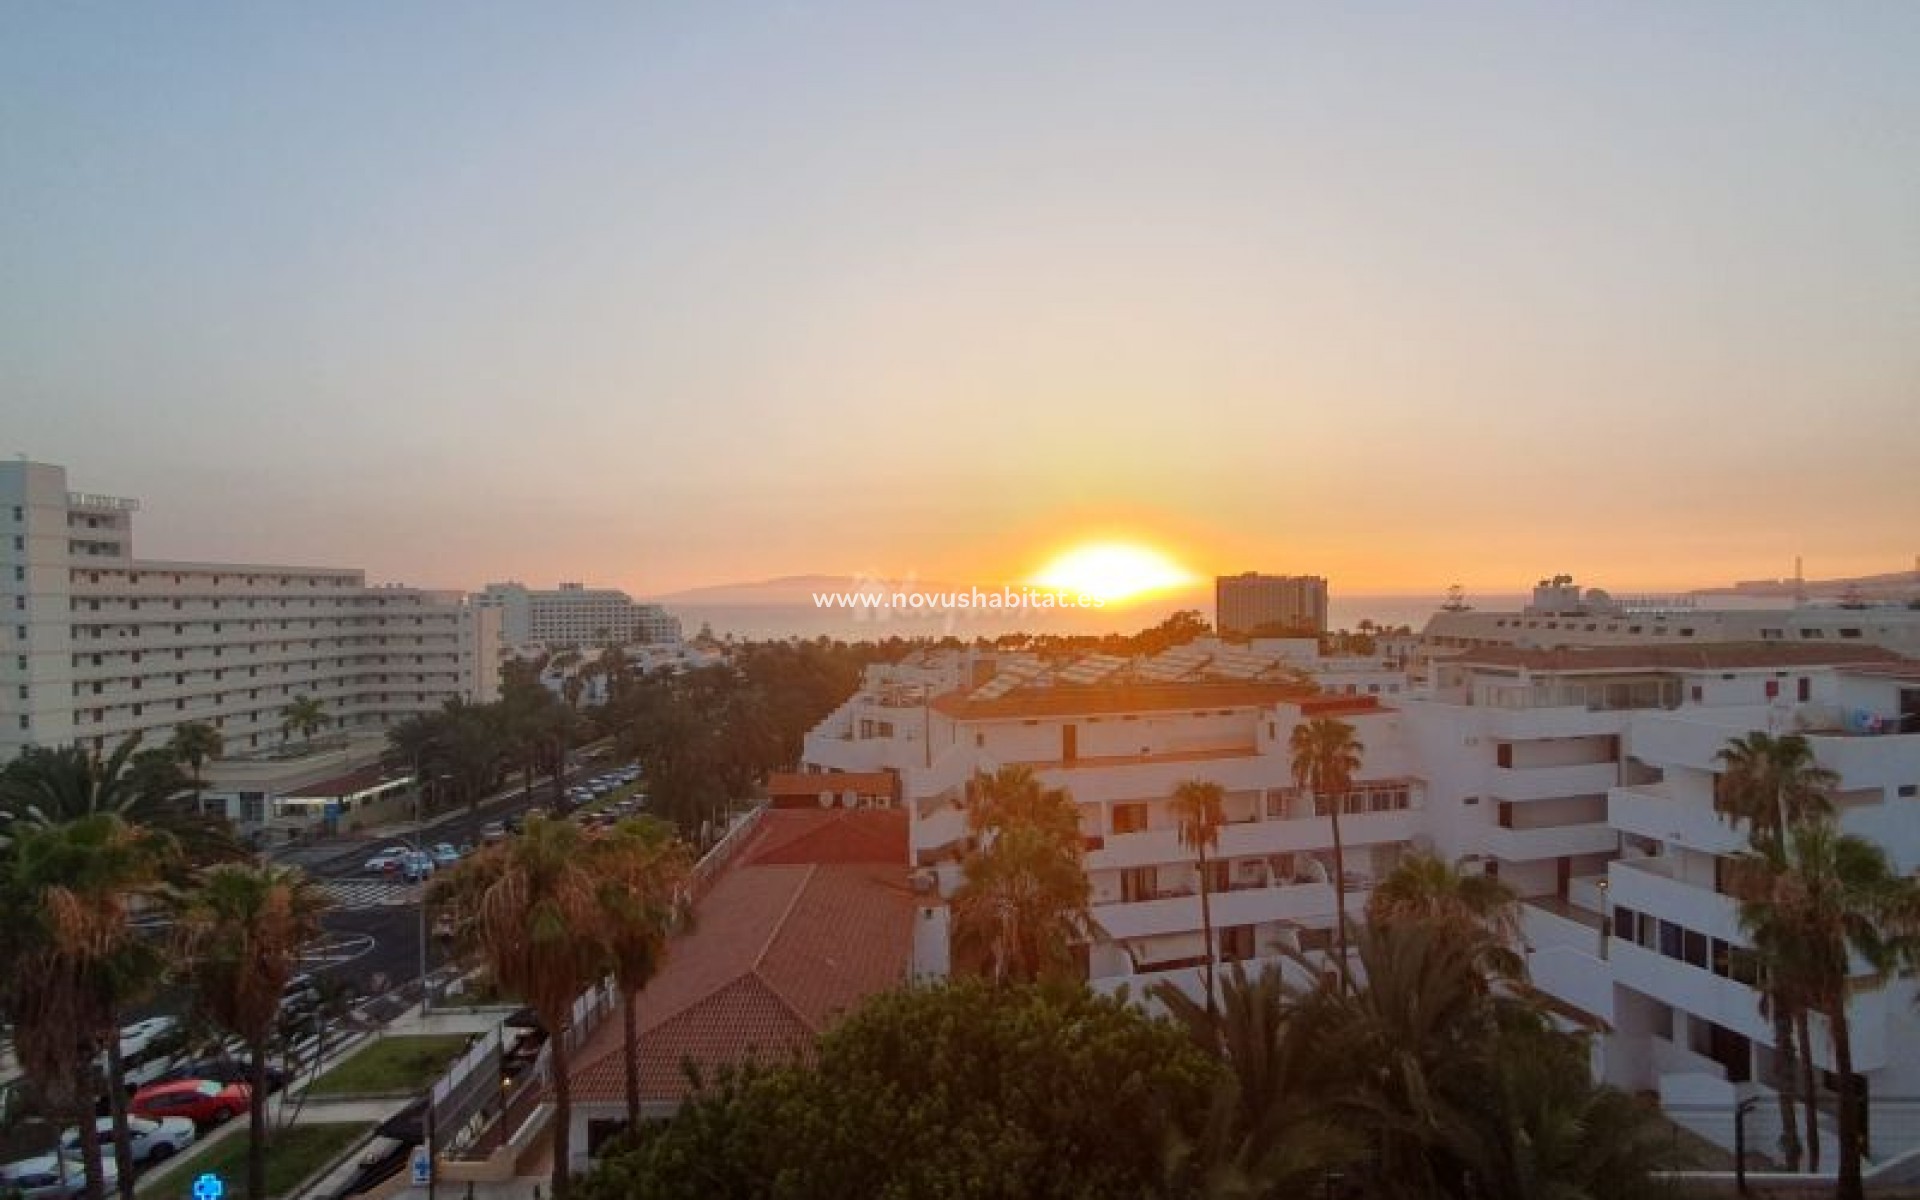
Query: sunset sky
point(668, 295)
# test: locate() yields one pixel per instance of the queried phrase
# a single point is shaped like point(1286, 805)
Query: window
point(1804, 689)
point(1626, 923)
point(1129, 818)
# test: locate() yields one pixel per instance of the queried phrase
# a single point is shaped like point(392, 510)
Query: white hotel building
point(1584, 778)
point(575, 615)
point(96, 644)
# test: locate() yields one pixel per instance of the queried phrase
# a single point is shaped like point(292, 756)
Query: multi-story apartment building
point(1250, 601)
point(1120, 737)
point(1583, 777)
point(100, 644)
point(1586, 779)
point(575, 615)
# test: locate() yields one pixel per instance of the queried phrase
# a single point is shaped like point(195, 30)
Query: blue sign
point(209, 1187)
point(422, 1167)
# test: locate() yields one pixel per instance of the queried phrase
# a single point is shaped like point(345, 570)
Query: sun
point(1112, 571)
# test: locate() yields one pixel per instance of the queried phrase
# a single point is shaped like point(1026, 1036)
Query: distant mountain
point(796, 589)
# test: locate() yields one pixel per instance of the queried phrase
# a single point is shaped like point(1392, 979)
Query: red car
point(202, 1101)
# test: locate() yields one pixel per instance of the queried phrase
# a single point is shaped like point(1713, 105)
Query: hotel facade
point(101, 644)
point(575, 615)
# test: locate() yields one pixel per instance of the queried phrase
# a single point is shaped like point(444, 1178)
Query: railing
point(721, 852)
point(521, 1101)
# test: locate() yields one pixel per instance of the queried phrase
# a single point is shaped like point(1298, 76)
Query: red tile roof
point(830, 836)
point(1706, 656)
point(351, 783)
point(1070, 701)
point(813, 916)
point(1906, 668)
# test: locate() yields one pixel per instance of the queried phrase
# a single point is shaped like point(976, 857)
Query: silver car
point(150, 1140)
point(53, 1176)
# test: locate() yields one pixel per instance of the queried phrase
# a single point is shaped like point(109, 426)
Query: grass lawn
point(296, 1152)
point(392, 1065)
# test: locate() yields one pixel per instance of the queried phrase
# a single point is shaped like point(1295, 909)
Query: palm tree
point(1387, 1054)
point(1024, 903)
point(196, 743)
point(1771, 785)
point(240, 932)
point(1326, 754)
point(45, 787)
point(643, 870)
point(1023, 906)
point(305, 716)
point(530, 909)
point(1832, 897)
point(1537, 1125)
point(1278, 1135)
point(1013, 796)
point(1425, 889)
point(418, 744)
point(1198, 808)
point(73, 958)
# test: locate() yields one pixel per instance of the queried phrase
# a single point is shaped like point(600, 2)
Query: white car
point(151, 1141)
point(53, 1176)
point(387, 861)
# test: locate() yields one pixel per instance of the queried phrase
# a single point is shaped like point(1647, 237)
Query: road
point(374, 925)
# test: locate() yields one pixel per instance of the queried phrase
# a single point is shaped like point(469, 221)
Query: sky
point(669, 295)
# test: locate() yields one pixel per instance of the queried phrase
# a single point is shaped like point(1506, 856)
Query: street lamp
point(1740, 1143)
point(1606, 919)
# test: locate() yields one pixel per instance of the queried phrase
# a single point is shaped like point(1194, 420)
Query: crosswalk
point(371, 893)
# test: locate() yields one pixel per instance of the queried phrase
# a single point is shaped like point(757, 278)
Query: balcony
point(1547, 783)
point(1257, 839)
point(1565, 962)
point(1529, 724)
point(1868, 761)
point(1694, 739)
point(1647, 810)
point(1298, 902)
point(1551, 841)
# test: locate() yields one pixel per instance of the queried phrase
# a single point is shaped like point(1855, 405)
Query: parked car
point(417, 867)
point(299, 994)
point(53, 1176)
point(223, 1070)
point(387, 861)
point(150, 1141)
point(202, 1101)
point(147, 1049)
point(445, 854)
point(493, 831)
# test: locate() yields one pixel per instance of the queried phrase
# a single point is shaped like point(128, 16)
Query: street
point(374, 925)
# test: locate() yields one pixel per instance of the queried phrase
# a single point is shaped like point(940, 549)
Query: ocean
point(773, 621)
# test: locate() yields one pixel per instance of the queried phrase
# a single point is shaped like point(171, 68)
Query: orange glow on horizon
point(1113, 571)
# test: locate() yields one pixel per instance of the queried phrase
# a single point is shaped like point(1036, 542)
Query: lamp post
point(1606, 919)
point(1740, 1143)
